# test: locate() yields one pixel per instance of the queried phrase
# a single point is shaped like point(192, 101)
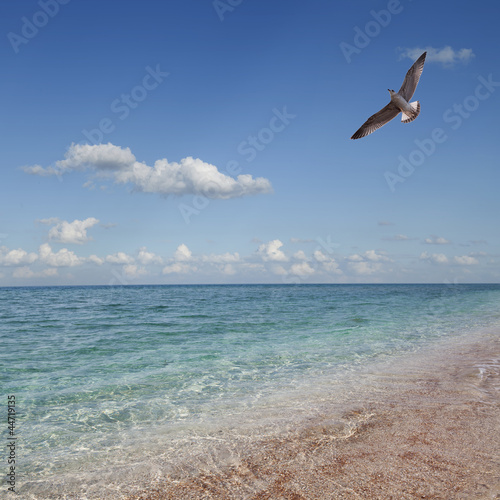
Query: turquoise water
point(96, 370)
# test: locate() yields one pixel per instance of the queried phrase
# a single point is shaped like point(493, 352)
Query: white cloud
point(26, 272)
point(328, 263)
point(189, 176)
point(183, 253)
point(465, 260)
point(300, 255)
point(332, 267)
point(355, 258)
point(71, 232)
point(436, 258)
point(146, 258)
point(364, 267)
point(446, 55)
point(301, 269)
point(133, 271)
point(270, 251)
point(39, 170)
point(101, 157)
point(178, 267)
point(369, 262)
point(120, 258)
point(373, 256)
point(228, 269)
point(277, 269)
point(182, 262)
point(96, 260)
point(320, 256)
point(369, 255)
point(16, 257)
point(63, 258)
point(436, 240)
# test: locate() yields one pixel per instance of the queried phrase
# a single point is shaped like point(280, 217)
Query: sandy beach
point(429, 429)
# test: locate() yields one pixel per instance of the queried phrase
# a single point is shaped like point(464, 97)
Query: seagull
point(399, 103)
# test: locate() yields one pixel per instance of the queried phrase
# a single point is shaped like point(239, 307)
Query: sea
point(114, 385)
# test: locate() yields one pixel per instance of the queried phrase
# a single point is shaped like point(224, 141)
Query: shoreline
point(420, 425)
point(430, 431)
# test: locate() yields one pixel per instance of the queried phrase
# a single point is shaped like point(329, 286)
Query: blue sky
point(209, 142)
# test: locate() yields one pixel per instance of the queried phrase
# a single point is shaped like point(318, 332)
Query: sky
point(209, 142)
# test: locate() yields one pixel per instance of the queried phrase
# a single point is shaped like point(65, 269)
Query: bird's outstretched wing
point(412, 77)
point(377, 120)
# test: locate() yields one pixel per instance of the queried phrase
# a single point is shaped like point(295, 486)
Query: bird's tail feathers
point(409, 117)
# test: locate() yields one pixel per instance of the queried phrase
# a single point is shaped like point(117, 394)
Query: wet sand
point(427, 429)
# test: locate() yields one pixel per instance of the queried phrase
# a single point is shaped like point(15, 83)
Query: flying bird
point(399, 103)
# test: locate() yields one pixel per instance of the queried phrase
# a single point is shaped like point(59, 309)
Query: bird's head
point(391, 91)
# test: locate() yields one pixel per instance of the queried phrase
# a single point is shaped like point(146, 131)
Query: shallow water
point(151, 374)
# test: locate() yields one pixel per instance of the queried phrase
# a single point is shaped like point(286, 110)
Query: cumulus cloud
point(367, 263)
point(62, 258)
point(327, 262)
point(184, 262)
point(16, 257)
point(436, 258)
point(372, 255)
point(369, 255)
point(301, 269)
point(446, 55)
point(70, 232)
point(300, 255)
point(178, 267)
point(365, 268)
point(96, 260)
point(355, 258)
point(146, 258)
point(228, 269)
point(133, 271)
point(465, 260)
point(183, 253)
point(188, 176)
point(270, 251)
point(120, 258)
